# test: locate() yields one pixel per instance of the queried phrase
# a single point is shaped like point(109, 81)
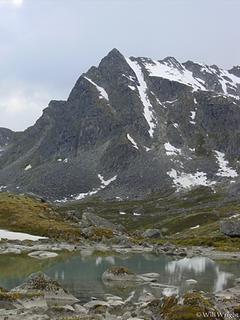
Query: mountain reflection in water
point(198, 266)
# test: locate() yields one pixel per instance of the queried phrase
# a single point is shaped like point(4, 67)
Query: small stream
point(81, 275)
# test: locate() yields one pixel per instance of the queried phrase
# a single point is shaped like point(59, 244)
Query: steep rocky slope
point(130, 127)
point(6, 137)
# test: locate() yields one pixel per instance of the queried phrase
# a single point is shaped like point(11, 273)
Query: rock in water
point(118, 274)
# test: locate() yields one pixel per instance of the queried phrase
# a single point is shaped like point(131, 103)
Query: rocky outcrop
point(152, 234)
point(90, 219)
point(6, 137)
point(230, 227)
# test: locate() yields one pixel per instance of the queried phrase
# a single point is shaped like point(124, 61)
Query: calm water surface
point(81, 275)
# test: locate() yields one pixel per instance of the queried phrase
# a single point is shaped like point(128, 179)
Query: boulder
point(169, 249)
point(90, 219)
point(230, 227)
point(39, 281)
point(152, 234)
point(51, 290)
point(123, 241)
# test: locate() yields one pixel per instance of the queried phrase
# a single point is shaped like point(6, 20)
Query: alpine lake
point(81, 274)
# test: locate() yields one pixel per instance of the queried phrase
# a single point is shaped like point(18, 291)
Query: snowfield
point(10, 235)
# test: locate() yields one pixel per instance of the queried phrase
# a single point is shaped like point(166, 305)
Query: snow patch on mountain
point(171, 101)
point(147, 148)
point(171, 150)
point(228, 80)
point(193, 115)
point(132, 79)
point(184, 180)
point(102, 91)
point(164, 70)
point(142, 90)
point(132, 141)
point(104, 184)
point(132, 88)
point(224, 169)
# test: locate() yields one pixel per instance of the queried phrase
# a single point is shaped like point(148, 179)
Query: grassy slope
point(26, 214)
point(174, 215)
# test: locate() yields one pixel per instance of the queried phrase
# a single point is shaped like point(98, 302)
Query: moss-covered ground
point(27, 214)
point(176, 215)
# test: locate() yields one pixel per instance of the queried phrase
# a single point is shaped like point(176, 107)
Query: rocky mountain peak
point(235, 70)
point(172, 62)
point(6, 136)
point(130, 127)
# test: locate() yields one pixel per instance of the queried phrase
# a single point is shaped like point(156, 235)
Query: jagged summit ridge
point(130, 127)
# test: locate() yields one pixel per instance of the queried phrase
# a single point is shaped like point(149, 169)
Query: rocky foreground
point(40, 298)
point(99, 234)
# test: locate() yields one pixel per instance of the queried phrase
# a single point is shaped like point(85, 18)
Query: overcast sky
point(46, 44)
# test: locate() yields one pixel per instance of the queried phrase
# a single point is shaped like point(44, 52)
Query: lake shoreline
point(27, 247)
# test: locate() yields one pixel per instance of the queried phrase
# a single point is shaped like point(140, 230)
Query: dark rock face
point(131, 127)
point(230, 227)
point(6, 137)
